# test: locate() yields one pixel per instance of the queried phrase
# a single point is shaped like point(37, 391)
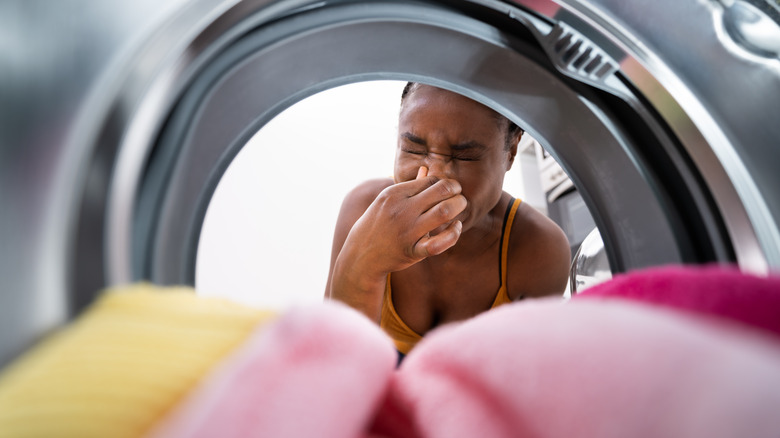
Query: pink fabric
point(317, 372)
point(543, 368)
point(591, 369)
point(718, 291)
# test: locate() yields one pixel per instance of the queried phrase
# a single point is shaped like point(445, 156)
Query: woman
point(443, 242)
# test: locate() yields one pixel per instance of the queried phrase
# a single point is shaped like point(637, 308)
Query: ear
point(513, 150)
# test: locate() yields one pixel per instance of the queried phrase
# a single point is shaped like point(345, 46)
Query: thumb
point(429, 246)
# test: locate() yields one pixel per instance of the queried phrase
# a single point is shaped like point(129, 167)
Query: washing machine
point(117, 120)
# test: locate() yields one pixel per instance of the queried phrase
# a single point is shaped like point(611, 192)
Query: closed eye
point(468, 154)
point(468, 151)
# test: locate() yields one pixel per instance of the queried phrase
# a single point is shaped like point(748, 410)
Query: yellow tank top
point(404, 337)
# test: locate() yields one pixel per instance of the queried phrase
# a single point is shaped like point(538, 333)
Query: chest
point(436, 292)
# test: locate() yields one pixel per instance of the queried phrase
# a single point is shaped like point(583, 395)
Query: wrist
point(358, 287)
point(354, 271)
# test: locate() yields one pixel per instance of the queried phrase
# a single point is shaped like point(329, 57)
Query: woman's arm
point(390, 235)
point(354, 205)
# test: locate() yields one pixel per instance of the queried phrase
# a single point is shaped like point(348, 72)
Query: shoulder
point(539, 255)
point(364, 194)
point(357, 201)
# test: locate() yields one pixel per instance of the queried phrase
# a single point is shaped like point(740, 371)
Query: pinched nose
point(440, 166)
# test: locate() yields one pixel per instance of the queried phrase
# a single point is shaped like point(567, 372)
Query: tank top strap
point(509, 218)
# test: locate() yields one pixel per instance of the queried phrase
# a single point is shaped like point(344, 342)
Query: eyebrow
point(471, 144)
point(468, 145)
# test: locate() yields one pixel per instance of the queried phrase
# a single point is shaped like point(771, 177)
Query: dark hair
point(512, 128)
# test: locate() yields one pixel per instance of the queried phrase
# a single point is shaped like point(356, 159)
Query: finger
point(435, 245)
point(439, 191)
point(439, 214)
point(422, 172)
point(435, 189)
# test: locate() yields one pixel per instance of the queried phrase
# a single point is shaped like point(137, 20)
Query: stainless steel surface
point(664, 114)
point(705, 87)
point(590, 265)
point(58, 62)
point(170, 59)
point(752, 28)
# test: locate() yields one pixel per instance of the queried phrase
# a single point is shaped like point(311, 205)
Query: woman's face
point(458, 138)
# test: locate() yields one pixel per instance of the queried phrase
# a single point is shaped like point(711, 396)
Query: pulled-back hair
point(512, 128)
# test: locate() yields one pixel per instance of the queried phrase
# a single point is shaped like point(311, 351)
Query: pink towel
point(586, 368)
point(590, 369)
point(317, 372)
point(718, 291)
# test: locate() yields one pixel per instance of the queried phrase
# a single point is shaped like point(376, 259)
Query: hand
point(406, 223)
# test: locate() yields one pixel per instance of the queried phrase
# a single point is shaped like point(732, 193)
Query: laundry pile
point(663, 352)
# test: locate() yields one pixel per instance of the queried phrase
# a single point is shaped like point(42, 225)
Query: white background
point(267, 234)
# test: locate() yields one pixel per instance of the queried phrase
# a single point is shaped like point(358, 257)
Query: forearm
point(358, 287)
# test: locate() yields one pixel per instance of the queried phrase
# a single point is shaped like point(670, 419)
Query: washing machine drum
point(664, 115)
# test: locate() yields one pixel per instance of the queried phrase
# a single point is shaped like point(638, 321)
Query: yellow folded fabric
point(122, 365)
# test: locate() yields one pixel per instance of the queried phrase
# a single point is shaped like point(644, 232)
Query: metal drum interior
point(674, 167)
